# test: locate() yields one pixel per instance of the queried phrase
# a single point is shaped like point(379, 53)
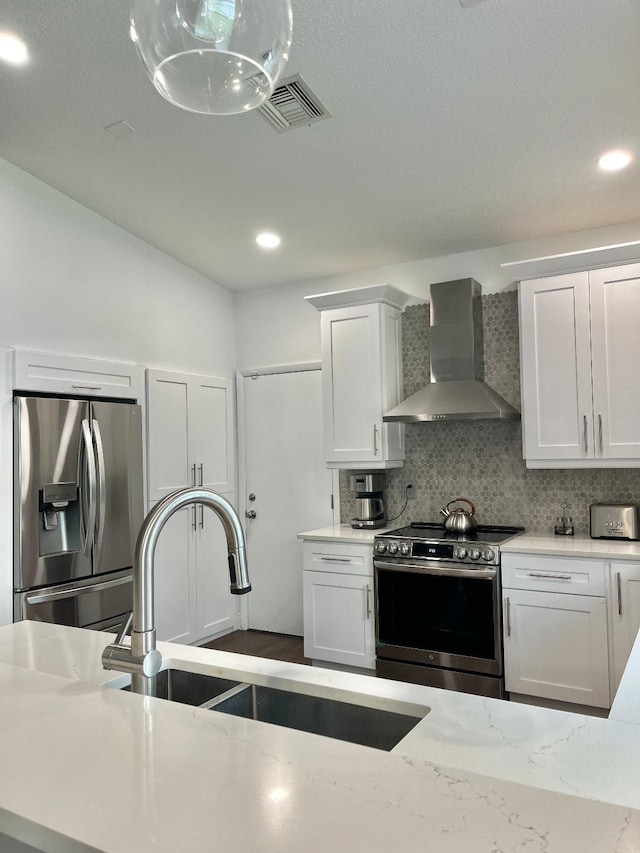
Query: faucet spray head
point(238, 572)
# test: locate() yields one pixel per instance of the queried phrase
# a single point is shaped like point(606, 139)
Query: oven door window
point(438, 613)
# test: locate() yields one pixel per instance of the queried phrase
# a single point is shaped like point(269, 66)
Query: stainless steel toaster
point(615, 521)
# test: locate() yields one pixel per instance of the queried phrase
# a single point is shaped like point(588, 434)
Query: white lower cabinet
point(555, 635)
point(192, 597)
point(338, 604)
point(624, 614)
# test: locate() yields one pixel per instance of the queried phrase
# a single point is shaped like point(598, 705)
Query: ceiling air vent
point(292, 105)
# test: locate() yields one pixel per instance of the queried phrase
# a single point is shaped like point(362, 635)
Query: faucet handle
point(124, 629)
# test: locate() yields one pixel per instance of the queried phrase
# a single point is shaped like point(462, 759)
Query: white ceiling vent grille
point(292, 105)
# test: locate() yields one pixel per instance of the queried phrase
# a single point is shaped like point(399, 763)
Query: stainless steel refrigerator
point(78, 506)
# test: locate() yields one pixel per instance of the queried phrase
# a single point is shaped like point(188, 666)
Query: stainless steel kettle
point(459, 520)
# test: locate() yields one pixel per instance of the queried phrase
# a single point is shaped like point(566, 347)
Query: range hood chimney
point(457, 391)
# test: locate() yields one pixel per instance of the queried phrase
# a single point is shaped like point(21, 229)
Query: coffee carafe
point(369, 491)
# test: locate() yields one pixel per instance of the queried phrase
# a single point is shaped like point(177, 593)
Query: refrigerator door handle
point(42, 596)
point(102, 487)
point(90, 523)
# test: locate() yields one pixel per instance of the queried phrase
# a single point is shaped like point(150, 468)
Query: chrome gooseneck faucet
point(141, 658)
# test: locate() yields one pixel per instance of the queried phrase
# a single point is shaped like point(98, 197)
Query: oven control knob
point(460, 553)
point(488, 554)
point(405, 549)
point(393, 547)
point(381, 547)
point(474, 554)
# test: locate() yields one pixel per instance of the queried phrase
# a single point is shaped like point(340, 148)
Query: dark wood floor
point(262, 644)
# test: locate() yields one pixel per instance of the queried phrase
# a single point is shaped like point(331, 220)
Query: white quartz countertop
point(526, 543)
point(88, 767)
point(572, 546)
point(342, 533)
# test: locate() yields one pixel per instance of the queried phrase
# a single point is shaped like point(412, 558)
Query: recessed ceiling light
point(13, 49)
point(614, 160)
point(268, 240)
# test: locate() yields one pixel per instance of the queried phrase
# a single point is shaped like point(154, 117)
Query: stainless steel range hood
point(457, 391)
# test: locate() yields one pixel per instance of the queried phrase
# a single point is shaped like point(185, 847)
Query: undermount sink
point(375, 727)
point(190, 688)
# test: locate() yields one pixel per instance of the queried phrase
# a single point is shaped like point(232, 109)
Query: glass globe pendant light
point(217, 57)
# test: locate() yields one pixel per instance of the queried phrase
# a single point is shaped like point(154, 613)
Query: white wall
point(276, 326)
point(72, 282)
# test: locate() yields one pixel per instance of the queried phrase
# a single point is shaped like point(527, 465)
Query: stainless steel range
point(438, 613)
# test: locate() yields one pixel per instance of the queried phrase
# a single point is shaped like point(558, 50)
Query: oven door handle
point(441, 570)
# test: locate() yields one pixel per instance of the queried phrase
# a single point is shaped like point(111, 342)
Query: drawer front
point(553, 574)
point(340, 557)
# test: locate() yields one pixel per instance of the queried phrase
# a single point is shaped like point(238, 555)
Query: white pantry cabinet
point(190, 427)
point(624, 614)
point(338, 604)
point(555, 628)
point(361, 376)
point(580, 363)
point(190, 432)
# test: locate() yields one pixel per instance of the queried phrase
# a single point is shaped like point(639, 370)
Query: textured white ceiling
point(453, 129)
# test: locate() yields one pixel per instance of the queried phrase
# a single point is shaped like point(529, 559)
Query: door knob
point(251, 513)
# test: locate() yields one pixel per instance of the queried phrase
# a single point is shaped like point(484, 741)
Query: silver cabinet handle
point(375, 439)
point(102, 486)
point(201, 471)
point(201, 516)
point(367, 590)
point(87, 387)
point(586, 443)
point(193, 474)
point(549, 575)
point(91, 469)
point(72, 592)
point(336, 559)
point(251, 513)
point(507, 611)
point(194, 523)
point(619, 586)
point(600, 433)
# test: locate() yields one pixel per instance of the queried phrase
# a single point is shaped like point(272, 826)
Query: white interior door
point(287, 474)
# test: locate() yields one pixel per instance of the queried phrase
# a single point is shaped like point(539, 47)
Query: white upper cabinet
point(83, 377)
point(190, 432)
point(362, 377)
point(615, 346)
point(580, 363)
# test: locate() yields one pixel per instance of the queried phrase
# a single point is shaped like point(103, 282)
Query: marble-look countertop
point(88, 767)
point(572, 546)
point(343, 533)
point(525, 543)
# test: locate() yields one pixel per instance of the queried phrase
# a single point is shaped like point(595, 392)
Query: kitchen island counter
point(86, 766)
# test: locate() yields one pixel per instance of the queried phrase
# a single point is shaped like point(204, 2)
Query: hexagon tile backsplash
point(482, 460)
